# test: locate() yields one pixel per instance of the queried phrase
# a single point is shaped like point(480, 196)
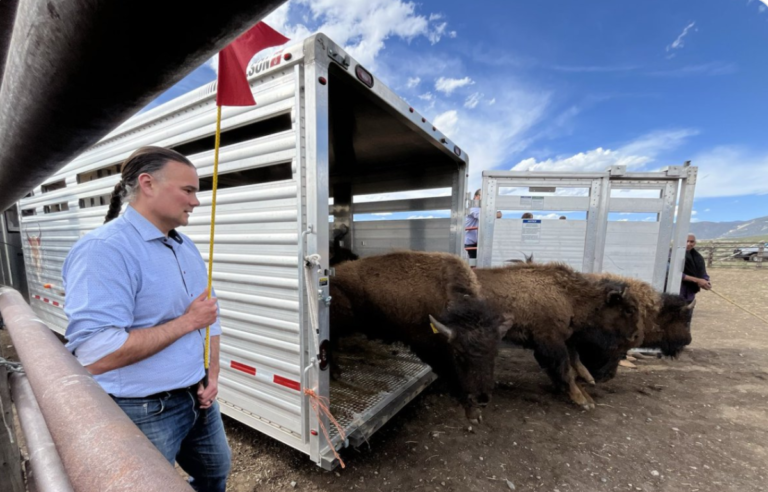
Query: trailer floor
point(372, 375)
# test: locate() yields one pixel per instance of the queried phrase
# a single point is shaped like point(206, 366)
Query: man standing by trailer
point(470, 228)
point(695, 275)
point(138, 308)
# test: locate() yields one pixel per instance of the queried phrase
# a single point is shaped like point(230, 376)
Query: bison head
point(619, 314)
point(616, 327)
point(674, 325)
point(473, 332)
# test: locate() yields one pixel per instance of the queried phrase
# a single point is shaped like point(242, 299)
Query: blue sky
point(563, 85)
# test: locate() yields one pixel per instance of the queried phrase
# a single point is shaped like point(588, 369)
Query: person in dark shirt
point(695, 275)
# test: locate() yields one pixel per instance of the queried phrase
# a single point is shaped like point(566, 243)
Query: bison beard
point(392, 297)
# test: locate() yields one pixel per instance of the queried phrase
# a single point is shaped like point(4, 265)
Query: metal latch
point(342, 60)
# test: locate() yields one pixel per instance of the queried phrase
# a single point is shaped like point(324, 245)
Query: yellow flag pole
point(207, 353)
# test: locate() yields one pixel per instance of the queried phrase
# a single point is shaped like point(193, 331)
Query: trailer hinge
point(342, 60)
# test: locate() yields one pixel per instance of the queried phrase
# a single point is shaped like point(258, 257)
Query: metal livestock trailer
point(631, 224)
point(326, 143)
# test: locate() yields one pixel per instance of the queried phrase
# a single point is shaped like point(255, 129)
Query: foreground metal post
point(78, 68)
point(47, 472)
point(11, 477)
point(101, 449)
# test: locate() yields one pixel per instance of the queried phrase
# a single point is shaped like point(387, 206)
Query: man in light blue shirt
point(138, 307)
point(470, 227)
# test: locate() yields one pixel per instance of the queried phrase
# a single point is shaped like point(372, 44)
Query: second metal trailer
point(631, 224)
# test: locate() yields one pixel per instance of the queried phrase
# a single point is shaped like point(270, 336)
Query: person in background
point(695, 275)
point(471, 221)
point(563, 217)
point(527, 215)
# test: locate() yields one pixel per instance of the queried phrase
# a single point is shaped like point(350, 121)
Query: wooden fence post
point(11, 478)
point(710, 255)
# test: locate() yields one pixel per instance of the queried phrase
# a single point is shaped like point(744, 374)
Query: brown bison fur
point(599, 351)
point(394, 296)
point(665, 319)
point(549, 304)
point(673, 331)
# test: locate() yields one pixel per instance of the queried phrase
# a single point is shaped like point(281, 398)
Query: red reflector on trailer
point(313, 432)
point(287, 383)
point(287, 56)
point(322, 81)
point(364, 76)
point(242, 367)
point(45, 299)
point(423, 120)
point(37, 297)
point(55, 303)
point(410, 109)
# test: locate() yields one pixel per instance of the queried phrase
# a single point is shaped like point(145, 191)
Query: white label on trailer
point(531, 231)
point(525, 201)
point(537, 201)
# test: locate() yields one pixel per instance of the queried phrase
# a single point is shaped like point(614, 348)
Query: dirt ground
point(699, 423)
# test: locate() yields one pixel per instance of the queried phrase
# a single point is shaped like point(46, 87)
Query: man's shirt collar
point(146, 229)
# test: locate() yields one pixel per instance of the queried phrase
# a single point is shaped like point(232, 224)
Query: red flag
point(233, 88)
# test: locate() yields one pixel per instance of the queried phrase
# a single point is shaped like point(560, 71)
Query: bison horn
point(690, 306)
point(449, 333)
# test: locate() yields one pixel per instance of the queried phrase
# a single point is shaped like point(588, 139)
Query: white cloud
point(427, 96)
point(362, 27)
point(473, 100)
point(678, 43)
point(704, 69)
point(448, 85)
point(446, 122)
point(693, 212)
point(421, 217)
point(413, 82)
point(730, 171)
point(492, 102)
point(491, 134)
point(552, 216)
point(634, 155)
point(706, 210)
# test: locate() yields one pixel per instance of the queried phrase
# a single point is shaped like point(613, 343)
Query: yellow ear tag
point(434, 330)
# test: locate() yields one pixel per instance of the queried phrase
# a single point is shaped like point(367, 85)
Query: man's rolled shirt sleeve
point(99, 300)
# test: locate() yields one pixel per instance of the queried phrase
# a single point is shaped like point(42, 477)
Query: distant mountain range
point(730, 230)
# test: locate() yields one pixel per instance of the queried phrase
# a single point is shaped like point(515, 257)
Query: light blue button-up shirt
point(472, 220)
point(126, 275)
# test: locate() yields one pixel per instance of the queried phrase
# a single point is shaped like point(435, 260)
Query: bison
point(664, 318)
point(339, 253)
point(550, 304)
point(432, 303)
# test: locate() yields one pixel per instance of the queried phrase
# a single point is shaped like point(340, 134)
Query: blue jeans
point(173, 423)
